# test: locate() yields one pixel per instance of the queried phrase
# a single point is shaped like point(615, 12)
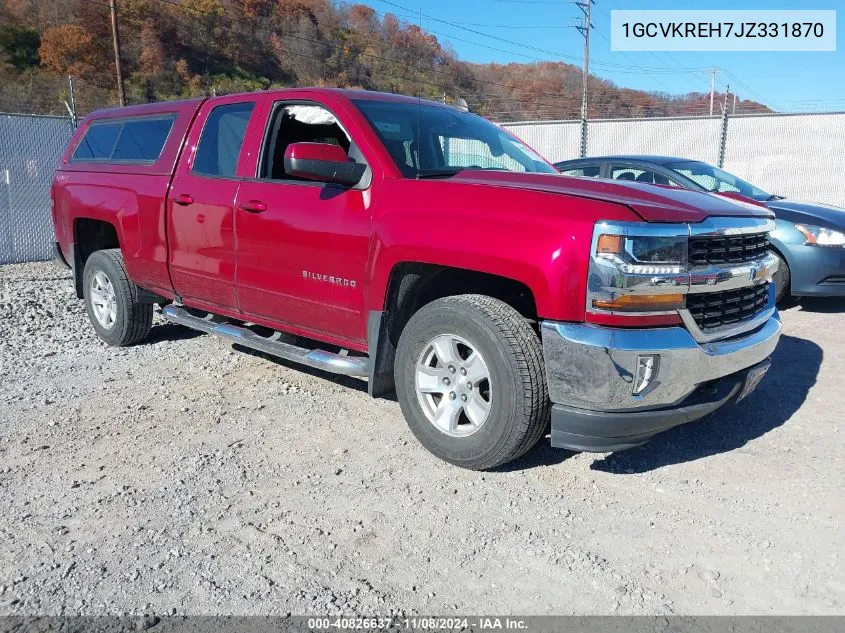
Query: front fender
point(784, 239)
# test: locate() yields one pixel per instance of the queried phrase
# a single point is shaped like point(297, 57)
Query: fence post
point(583, 137)
point(6, 239)
point(72, 99)
point(723, 140)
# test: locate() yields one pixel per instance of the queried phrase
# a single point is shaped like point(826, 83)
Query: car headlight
point(820, 236)
point(637, 269)
point(644, 253)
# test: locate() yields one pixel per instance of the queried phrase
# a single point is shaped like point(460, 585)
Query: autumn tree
point(67, 49)
point(253, 8)
point(151, 54)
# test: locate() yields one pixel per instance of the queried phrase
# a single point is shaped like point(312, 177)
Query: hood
point(815, 213)
point(653, 203)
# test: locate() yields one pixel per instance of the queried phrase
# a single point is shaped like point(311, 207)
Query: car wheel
point(782, 279)
point(471, 381)
point(111, 300)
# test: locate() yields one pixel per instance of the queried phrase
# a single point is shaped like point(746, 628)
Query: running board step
point(316, 358)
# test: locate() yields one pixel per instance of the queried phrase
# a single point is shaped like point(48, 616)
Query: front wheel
point(471, 381)
point(111, 300)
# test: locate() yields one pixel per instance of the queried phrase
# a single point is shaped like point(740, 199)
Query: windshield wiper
point(439, 173)
point(774, 196)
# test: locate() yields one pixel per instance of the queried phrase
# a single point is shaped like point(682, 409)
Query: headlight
point(638, 269)
point(819, 236)
point(644, 254)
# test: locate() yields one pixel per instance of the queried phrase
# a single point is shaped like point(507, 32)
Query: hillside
point(180, 48)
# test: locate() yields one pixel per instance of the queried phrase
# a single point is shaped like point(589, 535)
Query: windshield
point(714, 179)
point(432, 141)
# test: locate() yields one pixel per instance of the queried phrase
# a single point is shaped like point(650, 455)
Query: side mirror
point(322, 162)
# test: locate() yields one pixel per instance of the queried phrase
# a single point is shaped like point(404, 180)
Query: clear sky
point(781, 80)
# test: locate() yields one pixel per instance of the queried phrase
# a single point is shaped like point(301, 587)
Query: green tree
point(20, 46)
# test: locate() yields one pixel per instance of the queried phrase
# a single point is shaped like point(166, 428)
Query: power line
point(599, 33)
point(625, 55)
point(734, 77)
point(511, 26)
point(555, 54)
point(746, 86)
point(630, 69)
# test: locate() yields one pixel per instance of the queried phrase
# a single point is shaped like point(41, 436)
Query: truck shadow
point(795, 366)
point(171, 332)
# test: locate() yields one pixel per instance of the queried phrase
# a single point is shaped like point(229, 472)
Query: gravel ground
point(181, 476)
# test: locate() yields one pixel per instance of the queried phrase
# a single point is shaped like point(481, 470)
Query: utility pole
point(116, 39)
point(712, 88)
point(584, 28)
point(734, 106)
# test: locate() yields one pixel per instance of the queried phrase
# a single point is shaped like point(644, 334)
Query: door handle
point(253, 206)
point(183, 199)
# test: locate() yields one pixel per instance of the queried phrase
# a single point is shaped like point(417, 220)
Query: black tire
point(519, 407)
point(782, 279)
point(132, 320)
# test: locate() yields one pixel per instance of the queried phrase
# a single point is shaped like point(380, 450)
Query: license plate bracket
point(752, 379)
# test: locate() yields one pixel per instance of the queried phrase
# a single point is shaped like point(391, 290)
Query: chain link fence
point(795, 155)
point(30, 149)
point(800, 156)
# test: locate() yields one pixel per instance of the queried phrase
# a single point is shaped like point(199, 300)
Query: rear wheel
point(782, 279)
point(471, 381)
point(111, 300)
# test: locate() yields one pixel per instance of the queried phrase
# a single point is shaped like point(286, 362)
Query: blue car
point(809, 239)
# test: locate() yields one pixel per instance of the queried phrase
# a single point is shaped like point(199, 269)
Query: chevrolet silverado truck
point(427, 250)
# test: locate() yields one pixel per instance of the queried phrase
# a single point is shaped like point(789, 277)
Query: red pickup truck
point(428, 250)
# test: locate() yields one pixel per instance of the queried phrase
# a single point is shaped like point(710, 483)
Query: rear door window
point(221, 141)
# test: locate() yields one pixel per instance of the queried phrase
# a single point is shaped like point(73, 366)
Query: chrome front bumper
point(591, 374)
point(593, 367)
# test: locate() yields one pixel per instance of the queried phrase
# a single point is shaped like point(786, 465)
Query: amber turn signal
point(641, 303)
point(609, 244)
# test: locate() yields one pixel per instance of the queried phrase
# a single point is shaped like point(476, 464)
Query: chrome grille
point(714, 309)
point(727, 249)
